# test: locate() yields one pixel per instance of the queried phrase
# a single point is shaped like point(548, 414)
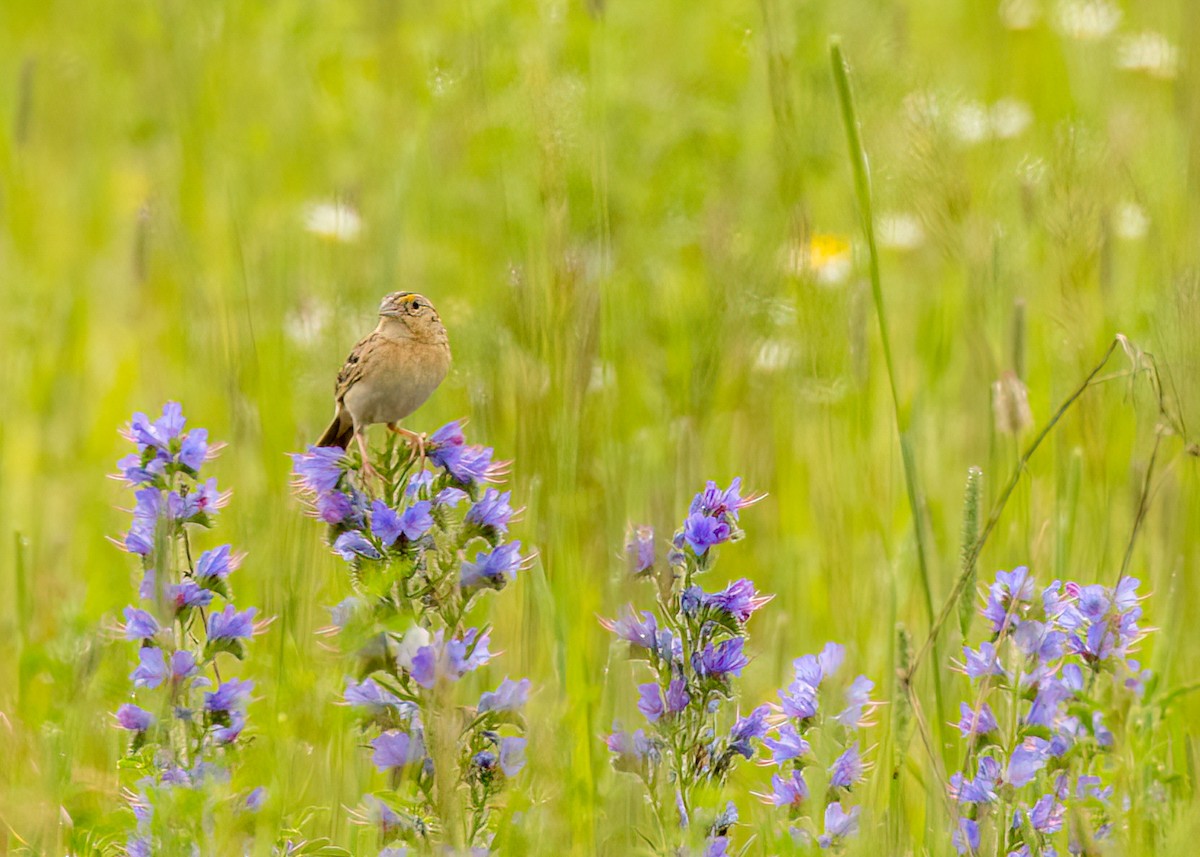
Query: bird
point(390, 373)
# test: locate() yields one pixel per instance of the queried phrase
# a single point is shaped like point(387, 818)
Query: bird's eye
point(417, 304)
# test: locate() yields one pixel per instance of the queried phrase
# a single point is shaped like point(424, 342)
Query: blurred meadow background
point(638, 223)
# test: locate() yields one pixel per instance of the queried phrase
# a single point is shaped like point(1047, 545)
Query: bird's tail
point(340, 431)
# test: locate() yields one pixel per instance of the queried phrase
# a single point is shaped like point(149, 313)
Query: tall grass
point(623, 213)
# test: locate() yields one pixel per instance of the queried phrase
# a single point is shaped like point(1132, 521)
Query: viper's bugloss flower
point(229, 624)
point(788, 789)
point(369, 695)
point(492, 510)
point(334, 507)
point(151, 668)
point(814, 669)
point(677, 696)
point(973, 721)
point(216, 563)
point(787, 746)
point(630, 748)
point(650, 701)
point(838, 824)
point(966, 836)
point(188, 594)
point(726, 658)
point(320, 468)
point(1047, 815)
point(512, 756)
point(980, 789)
point(452, 660)
point(509, 696)
point(750, 727)
point(135, 719)
point(352, 544)
point(139, 624)
point(1029, 757)
point(1012, 590)
point(847, 769)
point(642, 633)
point(388, 525)
point(702, 532)
point(739, 599)
point(639, 548)
point(983, 662)
point(231, 695)
point(858, 701)
point(492, 570)
point(394, 749)
point(721, 503)
point(799, 701)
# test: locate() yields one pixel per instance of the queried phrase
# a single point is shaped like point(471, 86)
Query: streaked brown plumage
point(390, 372)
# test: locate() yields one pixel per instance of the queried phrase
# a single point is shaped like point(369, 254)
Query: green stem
point(862, 190)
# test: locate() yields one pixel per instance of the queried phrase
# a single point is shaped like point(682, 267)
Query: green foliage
point(638, 223)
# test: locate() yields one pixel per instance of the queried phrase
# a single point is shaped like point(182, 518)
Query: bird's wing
point(355, 365)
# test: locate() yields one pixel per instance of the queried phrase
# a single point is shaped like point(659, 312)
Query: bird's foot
point(416, 443)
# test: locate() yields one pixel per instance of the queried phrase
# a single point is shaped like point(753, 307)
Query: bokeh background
point(638, 222)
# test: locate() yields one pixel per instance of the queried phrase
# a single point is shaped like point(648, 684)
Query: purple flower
point(352, 543)
point(745, 729)
point(677, 696)
point(139, 624)
point(368, 694)
point(183, 665)
point(492, 570)
point(982, 663)
point(334, 507)
point(255, 799)
point(188, 594)
point(720, 661)
point(630, 750)
point(151, 668)
point(492, 510)
point(1047, 815)
point(790, 790)
point(1103, 736)
point(640, 549)
point(739, 599)
point(509, 696)
point(229, 696)
point(858, 699)
point(231, 625)
point(319, 469)
point(1007, 594)
point(450, 661)
point(966, 836)
point(838, 824)
point(1036, 638)
point(650, 703)
point(799, 701)
point(227, 733)
point(135, 719)
point(512, 756)
point(974, 722)
point(414, 522)
point(216, 563)
point(451, 434)
point(194, 449)
point(161, 432)
point(982, 789)
point(703, 532)
point(847, 769)
point(643, 634)
point(397, 750)
point(789, 745)
point(718, 846)
point(1045, 708)
point(449, 497)
point(715, 502)
point(1027, 759)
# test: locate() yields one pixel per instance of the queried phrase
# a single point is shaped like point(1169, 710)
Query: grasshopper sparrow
point(390, 373)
